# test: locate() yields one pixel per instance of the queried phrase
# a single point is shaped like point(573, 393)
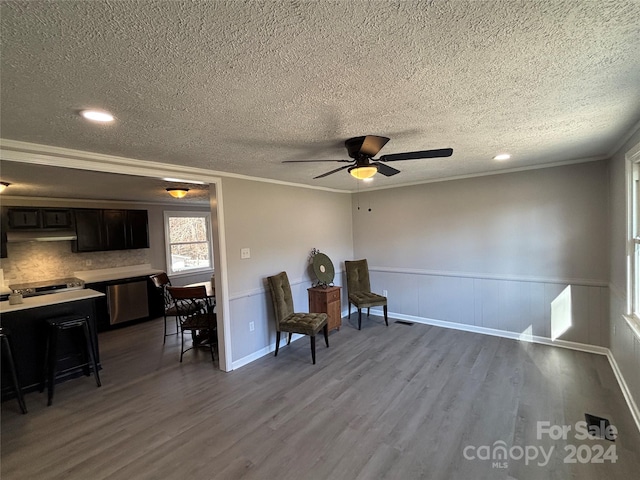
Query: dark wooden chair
point(359, 290)
point(161, 282)
point(192, 317)
point(289, 321)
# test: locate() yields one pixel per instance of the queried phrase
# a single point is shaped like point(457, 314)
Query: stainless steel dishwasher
point(127, 301)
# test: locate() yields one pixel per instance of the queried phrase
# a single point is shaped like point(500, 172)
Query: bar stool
point(56, 326)
point(6, 350)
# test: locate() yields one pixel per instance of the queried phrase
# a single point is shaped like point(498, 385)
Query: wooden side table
point(327, 300)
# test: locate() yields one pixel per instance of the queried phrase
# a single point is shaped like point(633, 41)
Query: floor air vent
point(600, 427)
point(404, 322)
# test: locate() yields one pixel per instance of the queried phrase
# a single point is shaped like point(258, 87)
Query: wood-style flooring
point(398, 402)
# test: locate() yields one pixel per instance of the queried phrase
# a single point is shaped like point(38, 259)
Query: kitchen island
point(26, 325)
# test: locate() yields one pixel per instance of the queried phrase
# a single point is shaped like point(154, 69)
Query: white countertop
point(107, 274)
point(50, 299)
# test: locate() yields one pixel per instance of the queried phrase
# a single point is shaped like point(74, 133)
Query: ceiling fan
point(363, 149)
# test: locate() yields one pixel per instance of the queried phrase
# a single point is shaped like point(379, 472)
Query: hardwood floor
point(397, 402)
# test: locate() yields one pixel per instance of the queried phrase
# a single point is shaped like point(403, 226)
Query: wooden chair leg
point(385, 315)
point(359, 318)
point(289, 340)
point(181, 343)
point(165, 330)
point(277, 343)
point(313, 348)
point(325, 329)
point(212, 336)
point(368, 311)
point(349, 310)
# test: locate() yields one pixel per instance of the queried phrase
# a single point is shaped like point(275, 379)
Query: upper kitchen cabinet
point(89, 231)
point(36, 218)
point(99, 230)
point(24, 217)
point(138, 229)
point(115, 228)
point(56, 218)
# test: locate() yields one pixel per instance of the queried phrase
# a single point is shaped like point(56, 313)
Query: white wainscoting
point(517, 305)
point(625, 352)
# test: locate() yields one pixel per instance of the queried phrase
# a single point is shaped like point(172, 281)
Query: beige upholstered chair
point(359, 290)
point(288, 321)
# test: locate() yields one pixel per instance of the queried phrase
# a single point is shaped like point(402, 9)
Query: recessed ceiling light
point(502, 156)
point(97, 116)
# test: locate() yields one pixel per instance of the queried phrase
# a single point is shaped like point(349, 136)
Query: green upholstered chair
point(359, 290)
point(289, 321)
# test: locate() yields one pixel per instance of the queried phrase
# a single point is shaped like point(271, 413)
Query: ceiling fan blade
point(385, 170)
point(309, 161)
point(332, 171)
point(442, 152)
point(372, 144)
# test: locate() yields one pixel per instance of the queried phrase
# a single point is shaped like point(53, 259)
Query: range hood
point(41, 236)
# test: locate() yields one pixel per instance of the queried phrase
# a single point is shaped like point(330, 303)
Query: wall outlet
point(252, 326)
point(88, 263)
point(384, 293)
point(245, 253)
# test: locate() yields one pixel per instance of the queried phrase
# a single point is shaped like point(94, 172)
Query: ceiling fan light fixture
point(177, 192)
point(364, 172)
point(3, 185)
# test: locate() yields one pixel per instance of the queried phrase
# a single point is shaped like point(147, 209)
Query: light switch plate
point(245, 253)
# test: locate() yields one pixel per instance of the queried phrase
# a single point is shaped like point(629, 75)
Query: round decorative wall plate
point(323, 268)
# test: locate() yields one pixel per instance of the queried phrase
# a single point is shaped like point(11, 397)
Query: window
point(633, 237)
point(188, 242)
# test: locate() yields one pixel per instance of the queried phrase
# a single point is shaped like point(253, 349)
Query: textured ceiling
point(235, 86)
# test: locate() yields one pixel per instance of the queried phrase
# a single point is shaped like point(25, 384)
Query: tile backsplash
point(35, 261)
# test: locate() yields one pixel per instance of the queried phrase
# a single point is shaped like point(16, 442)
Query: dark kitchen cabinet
point(37, 218)
point(89, 231)
point(138, 229)
point(24, 217)
point(100, 230)
point(115, 228)
point(56, 218)
point(3, 233)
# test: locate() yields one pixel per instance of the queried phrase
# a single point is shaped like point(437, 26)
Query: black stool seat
point(85, 351)
point(6, 351)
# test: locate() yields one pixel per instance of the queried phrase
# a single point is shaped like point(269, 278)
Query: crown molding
point(38, 154)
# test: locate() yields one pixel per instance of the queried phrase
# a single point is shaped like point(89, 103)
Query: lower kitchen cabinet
point(28, 332)
point(327, 300)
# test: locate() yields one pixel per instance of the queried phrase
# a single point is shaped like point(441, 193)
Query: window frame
point(167, 237)
point(632, 314)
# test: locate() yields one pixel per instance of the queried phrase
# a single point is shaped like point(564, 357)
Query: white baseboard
point(262, 352)
point(635, 411)
point(524, 337)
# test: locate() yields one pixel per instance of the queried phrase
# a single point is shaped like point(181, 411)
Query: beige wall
point(493, 252)
point(281, 225)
